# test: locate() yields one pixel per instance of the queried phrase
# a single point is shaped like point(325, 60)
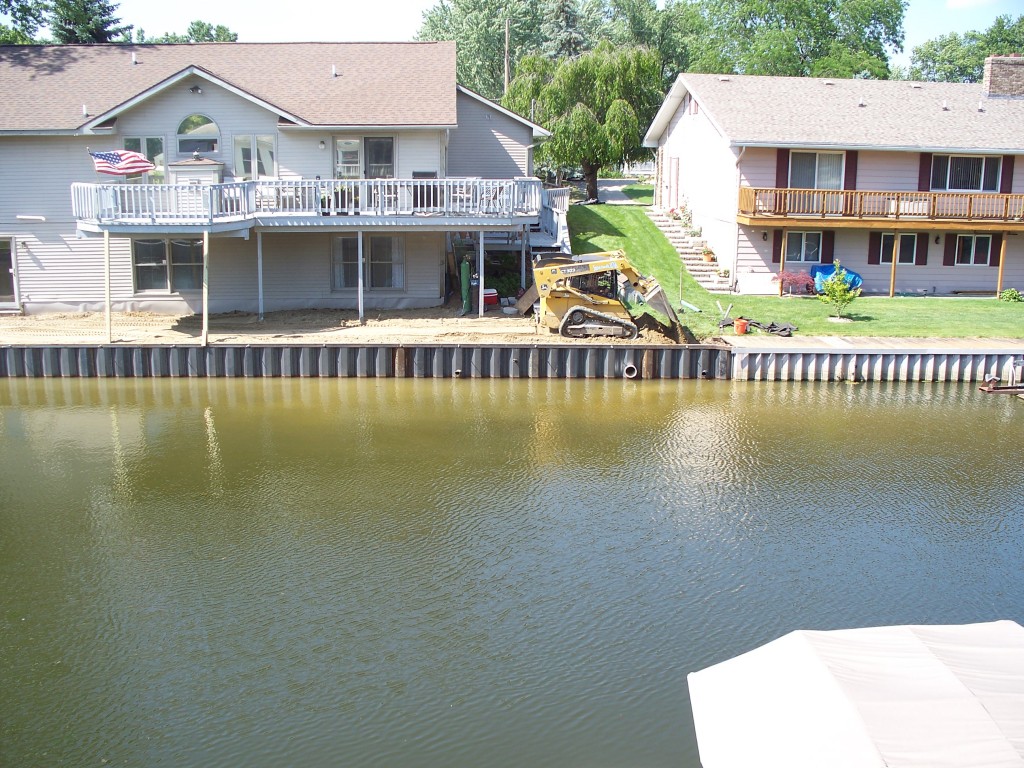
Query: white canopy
point(885, 697)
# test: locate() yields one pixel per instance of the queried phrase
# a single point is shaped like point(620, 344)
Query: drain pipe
point(630, 371)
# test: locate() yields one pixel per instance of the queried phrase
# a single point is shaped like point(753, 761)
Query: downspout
point(480, 273)
point(736, 206)
point(259, 271)
point(106, 283)
point(359, 279)
point(206, 287)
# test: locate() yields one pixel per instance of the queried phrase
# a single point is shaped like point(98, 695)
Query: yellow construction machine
point(600, 294)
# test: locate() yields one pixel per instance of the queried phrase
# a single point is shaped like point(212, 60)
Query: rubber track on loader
point(630, 329)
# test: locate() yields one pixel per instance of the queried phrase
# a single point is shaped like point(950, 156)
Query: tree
point(594, 105)
point(26, 16)
point(837, 292)
point(562, 29)
point(960, 58)
point(85, 21)
point(197, 32)
point(800, 38)
point(478, 29)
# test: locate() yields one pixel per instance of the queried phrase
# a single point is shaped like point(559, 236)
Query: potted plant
point(708, 254)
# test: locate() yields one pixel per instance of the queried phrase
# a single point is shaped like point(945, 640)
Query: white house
point(289, 175)
point(913, 185)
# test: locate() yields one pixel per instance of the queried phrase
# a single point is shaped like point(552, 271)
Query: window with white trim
point(973, 250)
point(198, 133)
point(383, 263)
point(907, 243)
point(803, 246)
point(153, 148)
point(816, 170)
point(167, 265)
point(966, 173)
point(254, 164)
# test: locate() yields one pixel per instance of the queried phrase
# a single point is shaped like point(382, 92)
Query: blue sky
point(385, 20)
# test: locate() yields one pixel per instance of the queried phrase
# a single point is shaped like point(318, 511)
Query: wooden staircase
point(690, 250)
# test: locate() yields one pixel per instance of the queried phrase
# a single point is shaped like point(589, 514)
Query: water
point(434, 573)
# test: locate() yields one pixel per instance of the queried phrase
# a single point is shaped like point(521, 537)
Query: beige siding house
point(915, 186)
point(285, 176)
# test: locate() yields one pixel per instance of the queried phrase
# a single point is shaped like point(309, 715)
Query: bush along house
point(915, 186)
point(252, 177)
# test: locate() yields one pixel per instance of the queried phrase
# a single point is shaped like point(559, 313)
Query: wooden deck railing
point(241, 201)
point(868, 204)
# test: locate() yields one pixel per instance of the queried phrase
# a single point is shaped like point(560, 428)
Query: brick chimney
point(1004, 76)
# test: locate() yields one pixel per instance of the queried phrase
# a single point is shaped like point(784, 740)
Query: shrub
point(800, 282)
point(837, 293)
point(1011, 294)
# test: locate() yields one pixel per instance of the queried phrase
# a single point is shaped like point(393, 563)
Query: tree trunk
point(590, 177)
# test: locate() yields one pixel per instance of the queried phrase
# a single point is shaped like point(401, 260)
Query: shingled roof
point(44, 88)
point(856, 114)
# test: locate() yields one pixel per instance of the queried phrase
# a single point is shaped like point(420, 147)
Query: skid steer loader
point(600, 294)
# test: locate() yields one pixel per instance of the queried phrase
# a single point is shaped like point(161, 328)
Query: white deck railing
point(241, 201)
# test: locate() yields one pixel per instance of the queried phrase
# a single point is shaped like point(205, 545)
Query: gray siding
point(487, 143)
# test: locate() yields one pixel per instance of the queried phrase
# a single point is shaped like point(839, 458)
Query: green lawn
point(610, 227)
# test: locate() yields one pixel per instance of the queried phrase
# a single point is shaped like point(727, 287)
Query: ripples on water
point(472, 573)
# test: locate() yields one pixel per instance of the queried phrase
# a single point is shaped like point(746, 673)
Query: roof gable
point(857, 114)
point(48, 88)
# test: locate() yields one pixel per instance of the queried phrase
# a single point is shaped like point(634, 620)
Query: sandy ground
point(440, 325)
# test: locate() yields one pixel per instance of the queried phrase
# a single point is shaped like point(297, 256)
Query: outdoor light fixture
point(936, 239)
point(323, 144)
point(195, 89)
point(764, 236)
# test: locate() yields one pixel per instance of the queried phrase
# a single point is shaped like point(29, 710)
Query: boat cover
point(822, 272)
point(884, 697)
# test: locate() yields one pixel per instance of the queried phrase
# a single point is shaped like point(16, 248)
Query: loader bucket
point(654, 305)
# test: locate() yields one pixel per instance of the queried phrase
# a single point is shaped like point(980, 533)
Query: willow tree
point(596, 106)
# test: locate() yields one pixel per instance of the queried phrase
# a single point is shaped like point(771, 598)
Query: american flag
point(121, 162)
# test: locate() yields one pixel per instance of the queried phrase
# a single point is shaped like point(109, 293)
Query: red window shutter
point(949, 255)
point(875, 248)
point(921, 256)
point(850, 172)
point(828, 246)
point(782, 168)
point(1006, 180)
point(924, 173)
point(997, 246)
point(777, 246)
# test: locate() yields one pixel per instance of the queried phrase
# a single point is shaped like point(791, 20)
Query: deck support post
point(259, 273)
point(1002, 263)
point(359, 279)
point(480, 273)
point(522, 256)
point(896, 240)
point(206, 287)
point(106, 285)
point(782, 261)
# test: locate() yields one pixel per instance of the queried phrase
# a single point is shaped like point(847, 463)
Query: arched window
point(198, 133)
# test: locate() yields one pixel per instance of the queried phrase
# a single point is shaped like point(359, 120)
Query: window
point(380, 158)
point(972, 173)
point(803, 246)
point(265, 168)
point(345, 263)
point(386, 263)
point(816, 170)
point(154, 152)
point(383, 263)
point(973, 249)
point(168, 265)
point(198, 133)
point(907, 248)
point(347, 158)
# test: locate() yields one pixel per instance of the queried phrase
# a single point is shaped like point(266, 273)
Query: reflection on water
point(363, 572)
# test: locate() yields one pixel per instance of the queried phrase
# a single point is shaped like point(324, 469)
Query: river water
point(468, 573)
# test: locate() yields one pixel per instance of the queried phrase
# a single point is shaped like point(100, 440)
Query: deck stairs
point(690, 250)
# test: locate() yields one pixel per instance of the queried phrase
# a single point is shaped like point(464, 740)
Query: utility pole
point(508, 35)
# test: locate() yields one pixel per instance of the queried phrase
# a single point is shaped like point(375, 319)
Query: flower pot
point(740, 325)
point(709, 257)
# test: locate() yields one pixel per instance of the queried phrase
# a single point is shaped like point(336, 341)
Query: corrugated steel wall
point(375, 361)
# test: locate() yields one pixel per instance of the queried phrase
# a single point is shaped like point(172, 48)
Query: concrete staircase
point(690, 250)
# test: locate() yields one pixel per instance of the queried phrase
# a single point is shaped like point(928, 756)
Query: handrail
point(774, 202)
point(240, 201)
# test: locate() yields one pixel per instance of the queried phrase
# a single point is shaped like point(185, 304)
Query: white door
point(8, 295)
